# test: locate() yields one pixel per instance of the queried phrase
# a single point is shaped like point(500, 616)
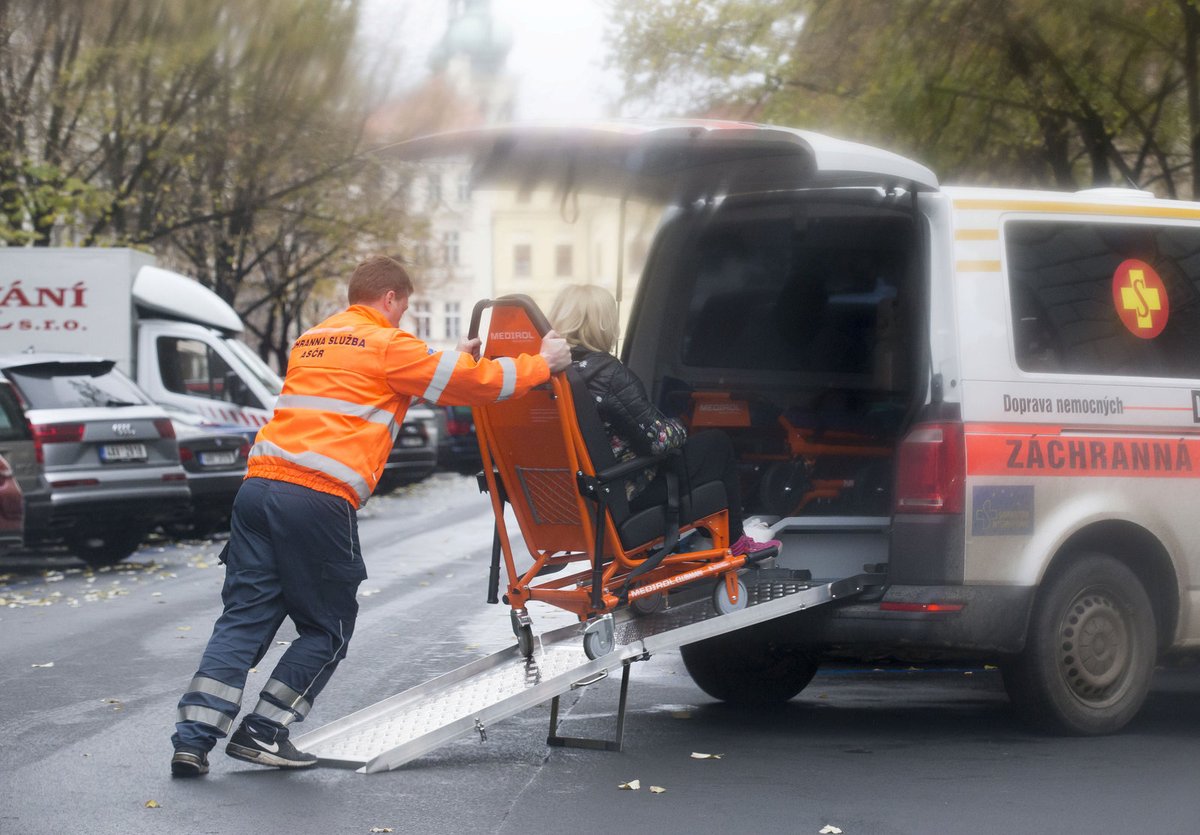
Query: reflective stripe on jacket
point(349, 383)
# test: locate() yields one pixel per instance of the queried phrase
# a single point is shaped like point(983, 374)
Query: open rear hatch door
point(671, 162)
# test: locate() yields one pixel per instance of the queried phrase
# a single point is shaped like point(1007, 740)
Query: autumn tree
point(1072, 93)
point(223, 135)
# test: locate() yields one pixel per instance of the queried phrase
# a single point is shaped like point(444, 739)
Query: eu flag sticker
point(1002, 511)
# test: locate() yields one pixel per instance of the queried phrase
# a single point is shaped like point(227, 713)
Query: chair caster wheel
point(721, 601)
point(522, 627)
point(599, 638)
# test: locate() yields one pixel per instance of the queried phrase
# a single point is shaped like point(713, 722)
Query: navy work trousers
point(293, 552)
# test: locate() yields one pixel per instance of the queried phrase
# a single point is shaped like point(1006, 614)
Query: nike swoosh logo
point(273, 747)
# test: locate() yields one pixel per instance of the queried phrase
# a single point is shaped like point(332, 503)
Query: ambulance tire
point(741, 670)
point(1090, 652)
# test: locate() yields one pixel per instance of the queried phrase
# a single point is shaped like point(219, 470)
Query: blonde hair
point(586, 316)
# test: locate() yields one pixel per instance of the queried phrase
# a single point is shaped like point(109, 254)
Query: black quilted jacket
point(635, 427)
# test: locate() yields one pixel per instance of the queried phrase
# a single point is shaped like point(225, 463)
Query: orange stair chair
point(548, 456)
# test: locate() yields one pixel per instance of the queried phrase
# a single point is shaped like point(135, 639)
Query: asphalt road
point(92, 664)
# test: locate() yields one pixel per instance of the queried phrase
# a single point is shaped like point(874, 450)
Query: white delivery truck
point(175, 337)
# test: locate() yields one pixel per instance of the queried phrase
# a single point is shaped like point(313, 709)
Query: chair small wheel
point(525, 640)
point(721, 601)
point(596, 644)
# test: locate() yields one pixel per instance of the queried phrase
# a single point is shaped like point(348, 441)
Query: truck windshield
point(261, 371)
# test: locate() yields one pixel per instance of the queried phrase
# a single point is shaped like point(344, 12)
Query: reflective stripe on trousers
point(292, 552)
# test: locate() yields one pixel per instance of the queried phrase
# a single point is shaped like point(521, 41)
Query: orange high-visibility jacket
point(350, 381)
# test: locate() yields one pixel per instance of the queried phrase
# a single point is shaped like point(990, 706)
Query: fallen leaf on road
point(151, 804)
point(698, 756)
point(47, 664)
point(681, 714)
point(657, 789)
point(632, 785)
point(829, 829)
point(184, 628)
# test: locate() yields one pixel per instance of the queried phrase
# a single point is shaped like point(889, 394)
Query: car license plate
point(411, 440)
point(217, 459)
point(123, 452)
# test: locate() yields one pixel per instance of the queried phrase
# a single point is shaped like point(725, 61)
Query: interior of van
point(787, 321)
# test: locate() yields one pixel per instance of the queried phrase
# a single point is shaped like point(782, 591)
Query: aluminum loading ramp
point(470, 699)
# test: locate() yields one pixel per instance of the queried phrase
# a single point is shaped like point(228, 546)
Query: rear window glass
point(1105, 298)
point(57, 385)
point(814, 295)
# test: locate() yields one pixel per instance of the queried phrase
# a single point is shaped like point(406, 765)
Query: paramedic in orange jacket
point(293, 549)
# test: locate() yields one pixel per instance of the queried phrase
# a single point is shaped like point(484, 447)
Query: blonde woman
point(586, 316)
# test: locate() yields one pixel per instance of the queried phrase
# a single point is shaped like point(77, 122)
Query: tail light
point(931, 469)
point(459, 426)
point(165, 428)
point(185, 454)
point(244, 451)
point(54, 433)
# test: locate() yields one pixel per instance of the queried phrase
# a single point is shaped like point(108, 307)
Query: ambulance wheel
point(741, 669)
point(1090, 652)
point(721, 601)
point(525, 640)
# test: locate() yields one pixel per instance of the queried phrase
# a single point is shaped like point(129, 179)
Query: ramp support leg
point(556, 741)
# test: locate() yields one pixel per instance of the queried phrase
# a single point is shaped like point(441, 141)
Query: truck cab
point(198, 364)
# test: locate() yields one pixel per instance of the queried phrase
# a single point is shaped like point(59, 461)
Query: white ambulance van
point(990, 396)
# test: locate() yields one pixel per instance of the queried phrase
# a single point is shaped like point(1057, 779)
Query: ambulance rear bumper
point(972, 619)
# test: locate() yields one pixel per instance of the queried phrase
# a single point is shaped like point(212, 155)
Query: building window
point(523, 260)
point(564, 261)
point(464, 188)
point(435, 189)
point(453, 321)
point(422, 317)
point(450, 248)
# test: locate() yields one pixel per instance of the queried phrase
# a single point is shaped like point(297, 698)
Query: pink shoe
point(746, 545)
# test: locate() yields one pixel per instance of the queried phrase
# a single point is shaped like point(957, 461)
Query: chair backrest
point(533, 441)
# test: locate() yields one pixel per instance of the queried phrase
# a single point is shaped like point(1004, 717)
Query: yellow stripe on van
point(977, 235)
point(1115, 210)
point(977, 266)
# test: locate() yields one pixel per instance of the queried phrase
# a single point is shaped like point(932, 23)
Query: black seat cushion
point(644, 526)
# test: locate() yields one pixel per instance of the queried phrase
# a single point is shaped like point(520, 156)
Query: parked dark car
point(106, 463)
point(414, 454)
point(12, 508)
point(214, 457)
point(458, 448)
